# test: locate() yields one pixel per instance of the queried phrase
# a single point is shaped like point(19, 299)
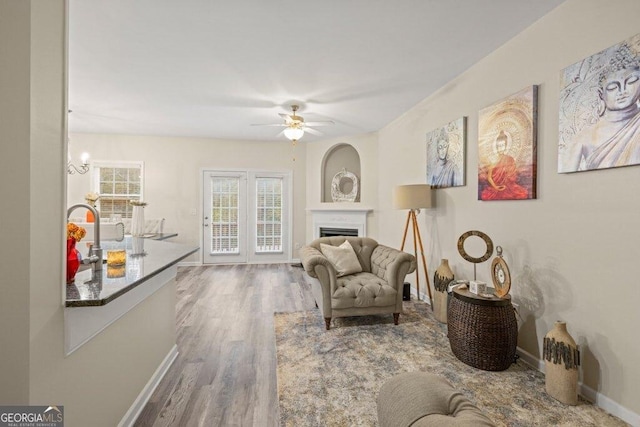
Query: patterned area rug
point(332, 378)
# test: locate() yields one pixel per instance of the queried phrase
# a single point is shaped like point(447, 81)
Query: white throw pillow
point(343, 258)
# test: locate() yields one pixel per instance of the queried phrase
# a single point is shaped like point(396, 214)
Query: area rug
point(332, 378)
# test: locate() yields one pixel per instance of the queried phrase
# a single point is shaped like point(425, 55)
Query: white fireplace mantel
point(335, 216)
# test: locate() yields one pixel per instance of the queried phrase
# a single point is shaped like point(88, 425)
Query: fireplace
point(345, 221)
point(333, 231)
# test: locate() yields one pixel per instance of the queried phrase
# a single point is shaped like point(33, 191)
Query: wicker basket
point(483, 332)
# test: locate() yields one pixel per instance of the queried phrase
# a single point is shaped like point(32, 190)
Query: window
point(117, 183)
point(268, 214)
point(224, 215)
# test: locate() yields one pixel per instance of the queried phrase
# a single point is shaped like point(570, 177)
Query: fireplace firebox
point(332, 231)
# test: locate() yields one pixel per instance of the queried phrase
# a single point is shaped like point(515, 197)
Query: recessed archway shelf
point(341, 176)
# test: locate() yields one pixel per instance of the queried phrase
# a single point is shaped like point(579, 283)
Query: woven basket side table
point(483, 332)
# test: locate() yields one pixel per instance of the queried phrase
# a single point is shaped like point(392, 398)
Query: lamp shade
point(414, 196)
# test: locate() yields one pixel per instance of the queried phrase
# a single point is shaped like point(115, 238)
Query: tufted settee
point(421, 399)
point(375, 290)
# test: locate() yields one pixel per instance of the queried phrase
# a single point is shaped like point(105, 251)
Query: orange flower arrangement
point(75, 232)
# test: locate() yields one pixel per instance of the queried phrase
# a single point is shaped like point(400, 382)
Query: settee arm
point(310, 258)
point(392, 265)
point(317, 266)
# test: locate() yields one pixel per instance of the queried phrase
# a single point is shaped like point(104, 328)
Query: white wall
point(173, 174)
point(573, 251)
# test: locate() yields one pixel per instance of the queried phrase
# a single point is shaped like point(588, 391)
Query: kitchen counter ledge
point(113, 282)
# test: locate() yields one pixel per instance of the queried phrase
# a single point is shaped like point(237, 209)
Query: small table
point(483, 331)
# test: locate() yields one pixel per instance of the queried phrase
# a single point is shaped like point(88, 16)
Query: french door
point(246, 217)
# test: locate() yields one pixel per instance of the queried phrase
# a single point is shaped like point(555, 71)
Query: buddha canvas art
point(507, 148)
point(600, 110)
point(445, 155)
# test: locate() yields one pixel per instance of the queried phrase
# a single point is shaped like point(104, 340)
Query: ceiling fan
point(295, 126)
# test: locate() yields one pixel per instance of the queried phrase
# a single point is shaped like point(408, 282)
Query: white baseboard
point(134, 411)
point(610, 405)
point(423, 297)
point(199, 264)
point(588, 393)
point(189, 264)
point(530, 359)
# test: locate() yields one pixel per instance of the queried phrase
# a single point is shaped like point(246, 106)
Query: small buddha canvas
point(446, 154)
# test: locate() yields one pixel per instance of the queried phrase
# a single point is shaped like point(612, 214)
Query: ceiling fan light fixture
point(293, 133)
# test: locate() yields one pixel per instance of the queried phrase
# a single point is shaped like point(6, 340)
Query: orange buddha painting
point(507, 148)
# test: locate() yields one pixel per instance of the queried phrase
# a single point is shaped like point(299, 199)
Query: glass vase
point(73, 260)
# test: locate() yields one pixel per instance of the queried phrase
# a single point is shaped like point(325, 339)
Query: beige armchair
point(375, 290)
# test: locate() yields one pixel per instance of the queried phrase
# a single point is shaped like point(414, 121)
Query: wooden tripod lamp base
point(414, 197)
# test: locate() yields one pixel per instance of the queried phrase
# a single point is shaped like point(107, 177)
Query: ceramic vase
point(441, 279)
point(137, 245)
point(561, 361)
point(73, 260)
point(137, 221)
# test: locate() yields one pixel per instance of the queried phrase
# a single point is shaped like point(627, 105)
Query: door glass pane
point(268, 215)
point(224, 215)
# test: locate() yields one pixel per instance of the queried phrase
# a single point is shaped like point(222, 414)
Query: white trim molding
point(599, 399)
point(138, 405)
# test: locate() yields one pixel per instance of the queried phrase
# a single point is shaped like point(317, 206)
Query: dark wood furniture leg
point(396, 317)
point(327, 322)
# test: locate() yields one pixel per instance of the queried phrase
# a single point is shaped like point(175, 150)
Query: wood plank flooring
point(225, 373)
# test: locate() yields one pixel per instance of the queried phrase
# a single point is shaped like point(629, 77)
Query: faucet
point(95, 251)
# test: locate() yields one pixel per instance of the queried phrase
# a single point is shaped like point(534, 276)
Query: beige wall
point(573, 251)
point(173, 174)
point(15, 28)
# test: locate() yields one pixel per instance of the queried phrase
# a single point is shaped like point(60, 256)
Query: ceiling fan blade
point(287, 117)
point(324, 123)
point(270, 124)
point(313, 131)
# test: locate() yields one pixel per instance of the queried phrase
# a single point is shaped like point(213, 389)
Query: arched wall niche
point(336, 158)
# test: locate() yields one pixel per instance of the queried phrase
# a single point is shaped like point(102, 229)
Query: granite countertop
point(113, 282)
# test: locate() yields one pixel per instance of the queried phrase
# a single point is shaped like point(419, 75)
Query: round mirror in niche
point(344, 187)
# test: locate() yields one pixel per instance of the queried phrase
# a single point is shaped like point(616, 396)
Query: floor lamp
point(414, 198)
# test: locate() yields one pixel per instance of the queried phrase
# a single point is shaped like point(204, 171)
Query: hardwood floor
point(225, 373)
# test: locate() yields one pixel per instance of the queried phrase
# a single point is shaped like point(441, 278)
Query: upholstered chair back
point(363, 247)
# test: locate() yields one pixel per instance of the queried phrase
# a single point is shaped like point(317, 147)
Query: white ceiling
point(210, 68)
